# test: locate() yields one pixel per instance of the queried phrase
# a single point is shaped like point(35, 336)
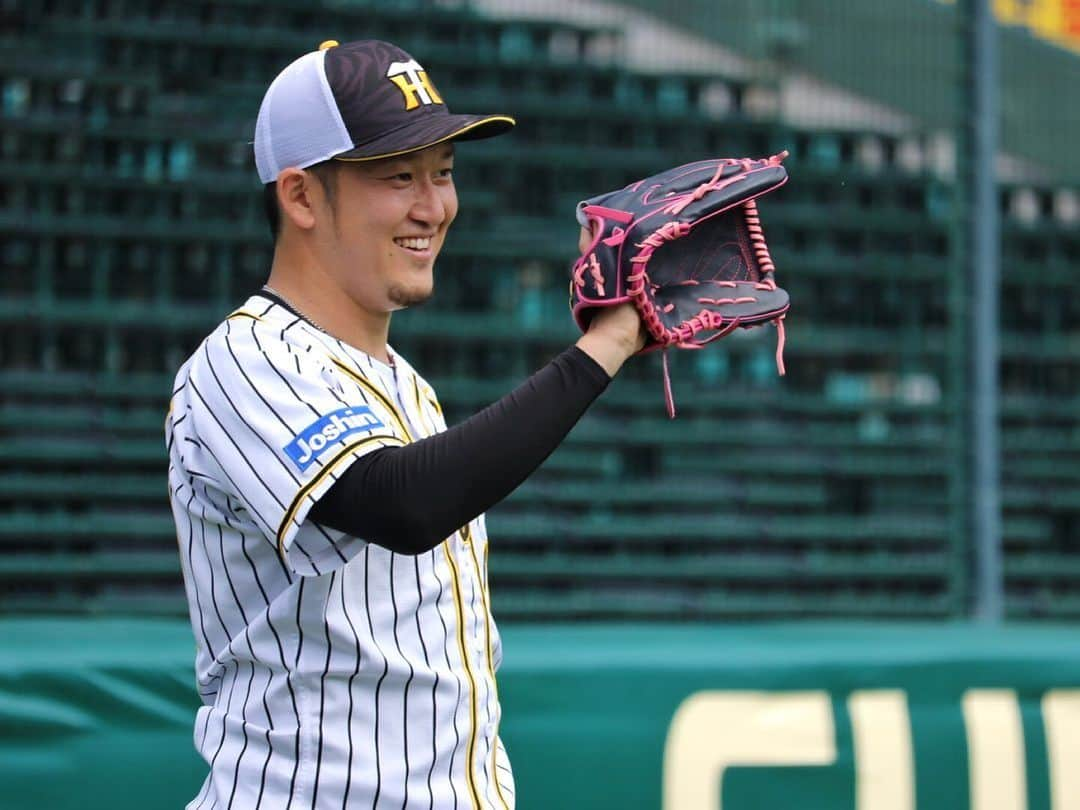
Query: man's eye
point(446, 172)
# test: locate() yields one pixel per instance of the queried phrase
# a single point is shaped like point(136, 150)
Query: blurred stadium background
point(638, 567)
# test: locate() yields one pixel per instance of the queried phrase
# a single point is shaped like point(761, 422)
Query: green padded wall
point(98, 713)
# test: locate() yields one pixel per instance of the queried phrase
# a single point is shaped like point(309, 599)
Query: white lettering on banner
point(1061, 715)
point(881, 731)
point(712, 731)
point(995, 737)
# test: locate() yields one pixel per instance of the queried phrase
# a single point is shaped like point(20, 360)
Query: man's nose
point(429, 206)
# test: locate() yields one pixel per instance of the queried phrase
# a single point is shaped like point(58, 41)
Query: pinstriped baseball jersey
point(333, 672)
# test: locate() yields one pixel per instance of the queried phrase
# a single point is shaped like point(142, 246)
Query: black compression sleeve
point(409, 499)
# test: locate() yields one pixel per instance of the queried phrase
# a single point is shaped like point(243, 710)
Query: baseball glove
point(687, 248)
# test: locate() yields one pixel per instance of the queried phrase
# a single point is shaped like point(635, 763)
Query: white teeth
point(422, 243)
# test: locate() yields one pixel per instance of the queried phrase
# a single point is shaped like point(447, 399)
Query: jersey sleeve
point(279, 426)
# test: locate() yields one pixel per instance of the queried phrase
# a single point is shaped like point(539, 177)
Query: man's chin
point(403, 297)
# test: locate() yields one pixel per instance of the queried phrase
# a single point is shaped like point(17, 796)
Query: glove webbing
point(705, 320)
point(669, 397)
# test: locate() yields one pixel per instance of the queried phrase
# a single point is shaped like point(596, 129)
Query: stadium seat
point(131, 222)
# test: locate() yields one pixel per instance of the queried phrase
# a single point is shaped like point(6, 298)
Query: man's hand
point(614, 335)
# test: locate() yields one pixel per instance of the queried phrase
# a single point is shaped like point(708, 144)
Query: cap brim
point(435, 130)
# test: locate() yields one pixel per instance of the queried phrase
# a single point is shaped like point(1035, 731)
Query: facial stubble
point(404, 297)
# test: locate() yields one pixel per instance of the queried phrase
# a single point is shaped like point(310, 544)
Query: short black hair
point(273, 211)
point(326, 172)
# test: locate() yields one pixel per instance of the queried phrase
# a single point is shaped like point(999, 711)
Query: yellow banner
point(1055, 20)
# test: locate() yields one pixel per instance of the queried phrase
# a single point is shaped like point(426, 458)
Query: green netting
point(130, 222)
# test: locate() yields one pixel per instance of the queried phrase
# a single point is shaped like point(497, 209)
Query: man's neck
point(332, 311)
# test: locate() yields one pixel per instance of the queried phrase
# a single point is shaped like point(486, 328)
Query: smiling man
point(331, 529)
point(388, 216)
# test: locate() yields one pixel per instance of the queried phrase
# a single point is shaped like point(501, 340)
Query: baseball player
point(330, 527)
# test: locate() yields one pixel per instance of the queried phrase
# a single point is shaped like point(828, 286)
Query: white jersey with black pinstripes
point(333, 672)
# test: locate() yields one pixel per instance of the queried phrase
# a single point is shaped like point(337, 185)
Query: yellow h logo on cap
point(414, 84)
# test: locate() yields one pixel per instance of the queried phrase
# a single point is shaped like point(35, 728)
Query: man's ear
point(297, 197)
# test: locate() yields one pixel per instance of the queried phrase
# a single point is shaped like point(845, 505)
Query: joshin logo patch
point(333, 427)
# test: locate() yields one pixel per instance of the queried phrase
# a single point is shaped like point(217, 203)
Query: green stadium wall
point(98, 713)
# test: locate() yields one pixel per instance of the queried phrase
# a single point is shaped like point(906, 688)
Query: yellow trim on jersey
point(419, 406)
point(485, 599)
point(494, 685)
point(470, 776)
point(336, 461)
point(365, 383)
point(470, 751)
point(455, 576)
point(416, 396)
point(239, 313)
point(429, 395)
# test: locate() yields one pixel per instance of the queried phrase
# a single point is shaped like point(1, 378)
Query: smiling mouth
point(415, 243)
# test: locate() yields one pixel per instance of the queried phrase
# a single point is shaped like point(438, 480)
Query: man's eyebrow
point(394, 164)
point(402, 163)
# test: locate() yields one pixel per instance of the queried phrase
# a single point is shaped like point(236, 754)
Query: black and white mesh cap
point(362, 100)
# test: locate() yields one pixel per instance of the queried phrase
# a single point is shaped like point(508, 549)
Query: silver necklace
point(295, 308)
point(309, 319)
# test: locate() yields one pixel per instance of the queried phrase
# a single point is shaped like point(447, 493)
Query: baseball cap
point(363, 100)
